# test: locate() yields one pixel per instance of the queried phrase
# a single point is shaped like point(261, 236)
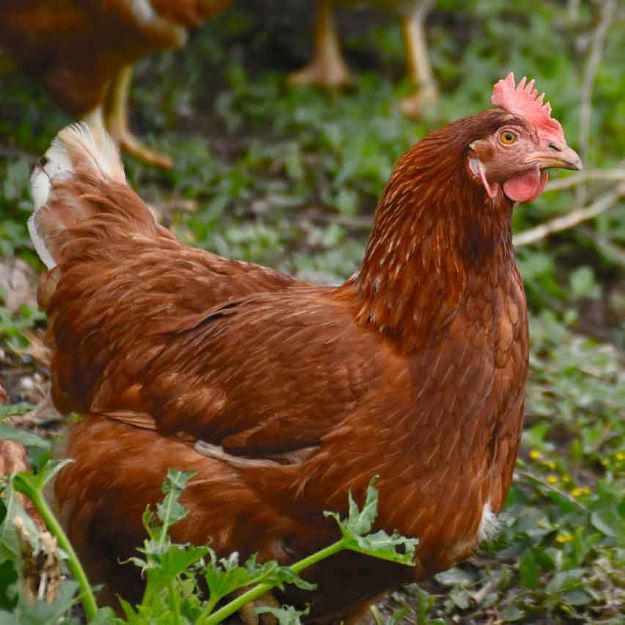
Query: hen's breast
point(441, 430)
point(478, 376)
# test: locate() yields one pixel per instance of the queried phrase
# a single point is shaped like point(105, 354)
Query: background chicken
point(281, 395)
point(329, 69)
point(83, 51)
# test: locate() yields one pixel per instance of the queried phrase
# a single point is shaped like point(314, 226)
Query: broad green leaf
point(43, 613)
point(577, 596)
point(28, 439)
point(460, 597)
point(565, 580)
point(385, 547)
point(355, 530)
point(286, 615)
point(609, 522)
point(172, 562)
point(512, 614)
point(14, 410)
point(455, 576)
point(529, 570)
point(28, 483)
point(170, 511)
point(224, 576)
point(9, 545)
point(8, 584)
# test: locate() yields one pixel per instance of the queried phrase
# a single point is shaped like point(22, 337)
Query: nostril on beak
point(556, 148)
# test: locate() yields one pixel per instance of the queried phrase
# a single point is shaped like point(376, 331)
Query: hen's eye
point(508, 137)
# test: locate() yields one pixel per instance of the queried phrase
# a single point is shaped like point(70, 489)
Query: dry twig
point(603, 203)
point(586, 176)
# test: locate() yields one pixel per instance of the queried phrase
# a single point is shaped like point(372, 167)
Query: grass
point(290, 178)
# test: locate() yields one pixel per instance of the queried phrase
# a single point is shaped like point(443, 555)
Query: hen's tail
point(80, 176)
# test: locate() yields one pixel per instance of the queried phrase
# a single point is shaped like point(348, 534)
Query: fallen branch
point(577, 216)
point(585, 176)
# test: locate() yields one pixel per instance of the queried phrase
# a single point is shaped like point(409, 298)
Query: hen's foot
point(413, 105)
point(327, 73)
point(328, 69)
point(128, 142)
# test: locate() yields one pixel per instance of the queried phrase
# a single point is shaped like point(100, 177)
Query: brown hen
point(283, 396)
point(83, 51)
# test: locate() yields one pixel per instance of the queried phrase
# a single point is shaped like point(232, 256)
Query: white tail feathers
point(77, 149)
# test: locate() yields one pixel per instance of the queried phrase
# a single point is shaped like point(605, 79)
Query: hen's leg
point(249, 616)
point(327, 69)
point(117, 122)
point(418, 62)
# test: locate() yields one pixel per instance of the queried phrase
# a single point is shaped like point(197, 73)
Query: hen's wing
point(116, 305)
point(259, 374)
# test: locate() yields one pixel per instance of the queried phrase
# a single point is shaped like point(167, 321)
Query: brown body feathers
point(414, 370)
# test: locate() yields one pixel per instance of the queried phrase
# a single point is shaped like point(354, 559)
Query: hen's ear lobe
point(479, 152)
point(479, 171)
point(480, 149)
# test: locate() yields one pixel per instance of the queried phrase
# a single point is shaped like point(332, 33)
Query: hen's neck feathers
point(435, 231)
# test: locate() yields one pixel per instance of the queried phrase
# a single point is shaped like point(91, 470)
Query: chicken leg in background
point(328, 68)
point(283, 396)
point(83, 52)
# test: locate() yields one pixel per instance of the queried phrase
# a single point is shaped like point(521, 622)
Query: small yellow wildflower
point(564, 538)
point(580, 491)
point(620, 456)
point(552, 479)
point(535, 454)
point(550, 464)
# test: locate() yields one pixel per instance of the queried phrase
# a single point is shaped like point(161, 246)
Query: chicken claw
point(413, 105)
point(327, 69)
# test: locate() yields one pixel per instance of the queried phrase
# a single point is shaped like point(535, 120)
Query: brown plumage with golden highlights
point(83, 50)
point(280, 395)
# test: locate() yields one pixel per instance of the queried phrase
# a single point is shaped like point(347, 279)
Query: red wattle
point(526, 186)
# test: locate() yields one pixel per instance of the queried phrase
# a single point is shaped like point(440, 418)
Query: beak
point(555, 156)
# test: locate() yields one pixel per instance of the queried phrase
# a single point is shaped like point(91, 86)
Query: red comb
point(523, 100)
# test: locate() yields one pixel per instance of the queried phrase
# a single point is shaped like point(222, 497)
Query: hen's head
point(526, 142)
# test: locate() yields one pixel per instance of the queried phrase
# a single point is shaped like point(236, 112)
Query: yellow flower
point(580, 491)
point(564, 538)
point(620, 456)
point(535, 454)
point(552, 479)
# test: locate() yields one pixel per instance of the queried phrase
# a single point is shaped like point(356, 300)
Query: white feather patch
point(97, 145)
point(91, 148)
point(489, 524)
point(39, 244)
